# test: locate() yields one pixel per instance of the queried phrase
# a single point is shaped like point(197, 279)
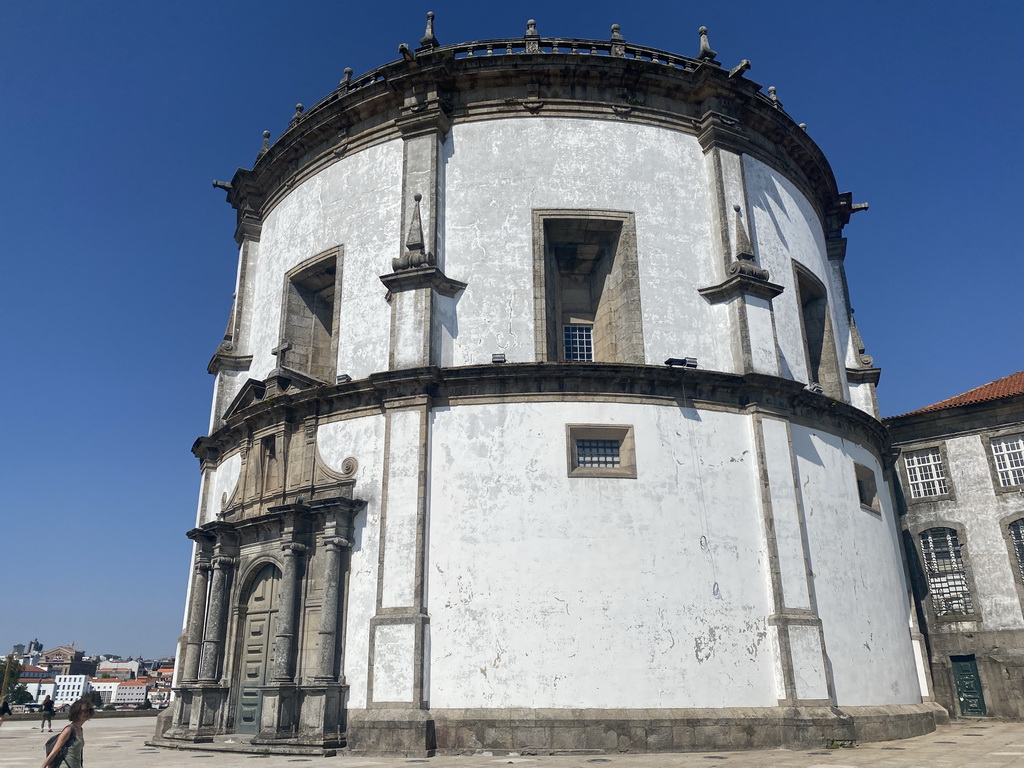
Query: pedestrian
point(5, 709)
point(47, 714)
point(78, 714)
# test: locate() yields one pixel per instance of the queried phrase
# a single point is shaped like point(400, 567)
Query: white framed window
point(925, 473)
point(947, 576)
point(1008, 453)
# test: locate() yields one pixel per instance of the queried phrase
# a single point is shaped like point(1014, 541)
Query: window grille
point(1009, 455)
point(578, 342)
point(1017, 535)
point(926, 474)
point(947, 577)
point(597, 453)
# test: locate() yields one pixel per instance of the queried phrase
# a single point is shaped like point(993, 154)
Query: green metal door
point(257, 639)
point(968, 686)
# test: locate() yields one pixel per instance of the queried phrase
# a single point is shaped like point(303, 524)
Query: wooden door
point(968, 686)
point(257, 638)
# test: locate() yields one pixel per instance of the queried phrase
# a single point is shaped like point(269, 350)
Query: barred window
point(944, 568)
point(1009, 455)
point(597, 453)
point(926, 474)
point(1017, 536)
point(578, 342)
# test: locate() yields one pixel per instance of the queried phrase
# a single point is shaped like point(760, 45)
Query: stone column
point(196, 619)
point(329, 610)
point(284, 642)
point(213, 642)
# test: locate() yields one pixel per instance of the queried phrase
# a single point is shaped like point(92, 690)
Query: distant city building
point(105, 688)
point(961, 471)
point(67, 660)
point(70, 688)
point(131, 692)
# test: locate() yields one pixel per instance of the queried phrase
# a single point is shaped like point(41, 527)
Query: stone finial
point(618, 41)
point(415, 254)
point(346, 81)
point(745, 264)
point(266, 145)
point(297, 116)
point(706, 54)
point(744, 248)
point(803, 127)
point(532, 37)
point(428, 40)
point(773, 97)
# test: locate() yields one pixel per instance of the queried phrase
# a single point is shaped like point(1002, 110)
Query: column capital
point(223, 562)
point(292, 548)
point(337, 543)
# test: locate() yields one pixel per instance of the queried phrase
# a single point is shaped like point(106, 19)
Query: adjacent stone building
point(541, 421)
point(961, 471)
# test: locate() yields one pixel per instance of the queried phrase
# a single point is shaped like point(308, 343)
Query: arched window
point(947, 577)
point(1017, 536)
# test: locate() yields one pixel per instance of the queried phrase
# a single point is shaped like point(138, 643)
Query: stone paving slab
point(121, 744)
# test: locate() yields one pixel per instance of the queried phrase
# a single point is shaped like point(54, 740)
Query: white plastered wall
point(498, 172)
point(859, 583)
point(550, 591)
point(355, 203)
point(363, 439)
point(786, 229)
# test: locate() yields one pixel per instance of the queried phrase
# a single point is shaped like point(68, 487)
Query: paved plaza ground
point(121, 743)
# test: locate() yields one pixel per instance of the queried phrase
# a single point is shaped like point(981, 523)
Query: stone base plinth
point(595, 731)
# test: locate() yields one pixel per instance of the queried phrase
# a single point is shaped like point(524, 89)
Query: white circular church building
point(541, 422)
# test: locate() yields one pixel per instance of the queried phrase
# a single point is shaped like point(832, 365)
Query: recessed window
point(308, 325)
point(1008, 453)
point(925, 473)
point(1017, 537)
point(596, 450)
point(819, 343)
point(867, 487)
point(586, 287)
point(944, 568)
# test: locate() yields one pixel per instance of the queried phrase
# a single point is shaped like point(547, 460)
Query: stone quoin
point(541, 422)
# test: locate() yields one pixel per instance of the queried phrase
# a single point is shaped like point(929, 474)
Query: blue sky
point(119, 262)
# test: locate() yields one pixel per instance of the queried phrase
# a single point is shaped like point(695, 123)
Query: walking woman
point(72, 735)
point(47, 715)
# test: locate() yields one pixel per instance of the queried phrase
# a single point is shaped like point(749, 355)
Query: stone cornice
point(553, 382)
point(571, 78)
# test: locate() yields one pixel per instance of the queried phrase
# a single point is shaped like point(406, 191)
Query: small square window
point(867, 487)
point(595, 450)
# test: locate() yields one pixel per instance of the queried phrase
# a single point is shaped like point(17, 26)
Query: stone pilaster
point(745, 287)
point(803, 674)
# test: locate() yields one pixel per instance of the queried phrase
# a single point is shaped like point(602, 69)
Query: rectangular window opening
point(595, 450)
point(578, 342)
point(925, 473)
point(1008, 453)
point(867, 487)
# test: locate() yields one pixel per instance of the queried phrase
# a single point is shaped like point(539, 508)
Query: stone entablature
point(550, 77)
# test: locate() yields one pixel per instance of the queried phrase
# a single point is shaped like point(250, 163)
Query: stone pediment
point(281, 381)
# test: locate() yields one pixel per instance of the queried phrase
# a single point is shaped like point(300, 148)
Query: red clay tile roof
point(1008, 386)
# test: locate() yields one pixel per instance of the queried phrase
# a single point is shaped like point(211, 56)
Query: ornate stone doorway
point(259, 626)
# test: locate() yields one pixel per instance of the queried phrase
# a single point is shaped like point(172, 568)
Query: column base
point(402, 732)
